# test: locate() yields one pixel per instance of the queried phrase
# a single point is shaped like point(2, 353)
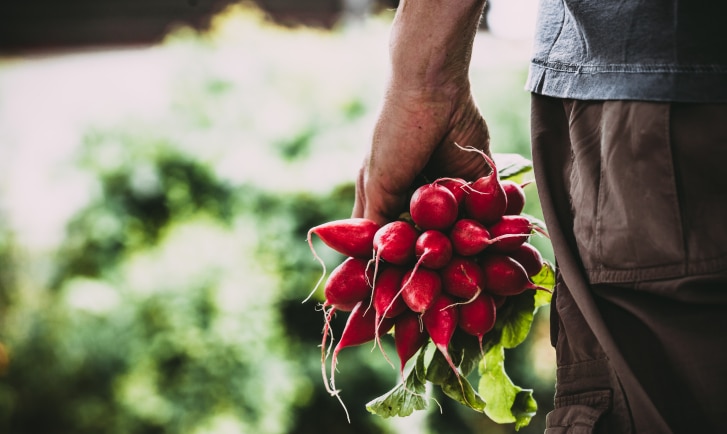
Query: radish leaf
point(462, 391)
point(515, 318)
point(545, 279)
point(404, 398)
point(506, 402)
point(511, 165)
point(524, 408)
point(459, 389)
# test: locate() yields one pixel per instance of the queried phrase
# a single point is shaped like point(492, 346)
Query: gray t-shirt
point(657, 50)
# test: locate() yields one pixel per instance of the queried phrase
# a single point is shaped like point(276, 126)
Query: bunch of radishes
point(445, 266)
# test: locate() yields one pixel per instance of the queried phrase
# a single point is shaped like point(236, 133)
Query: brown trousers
point(635, 198)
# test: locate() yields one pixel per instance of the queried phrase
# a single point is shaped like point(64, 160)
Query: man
point(629, 136)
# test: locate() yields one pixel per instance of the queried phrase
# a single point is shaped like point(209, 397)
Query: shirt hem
point(698, 84)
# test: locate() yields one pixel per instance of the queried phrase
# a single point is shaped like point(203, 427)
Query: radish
point(478, 317)
point(350, 237)
point(360, 328)
point(515, 197)
point(529, 257)
point(510, 225)
point(469, 237)
point(420, 289)
point(394, 242)
point(348, 284)
point(440, 322)
point(433, 206)
point(409, 337)
point(487, 200)
point(387, 298)
point(463, 277)
point(505, 276)
point(434, 249)
point(458, 188)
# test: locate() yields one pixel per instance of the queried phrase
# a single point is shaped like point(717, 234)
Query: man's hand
point(418, 135)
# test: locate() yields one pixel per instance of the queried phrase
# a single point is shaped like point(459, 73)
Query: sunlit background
point(154, 202)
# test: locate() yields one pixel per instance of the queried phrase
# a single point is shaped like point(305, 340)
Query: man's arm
point(431, 42)
point(428, 106)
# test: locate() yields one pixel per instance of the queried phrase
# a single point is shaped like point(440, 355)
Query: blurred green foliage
point(173, 302)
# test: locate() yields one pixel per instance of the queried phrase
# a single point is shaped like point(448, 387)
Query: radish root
point(330, 385)
point(320, 261)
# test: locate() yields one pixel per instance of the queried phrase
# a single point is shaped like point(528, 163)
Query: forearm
point(428, 107)
point(431, 43)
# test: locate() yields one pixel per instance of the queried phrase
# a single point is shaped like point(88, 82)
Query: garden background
point(154, 204)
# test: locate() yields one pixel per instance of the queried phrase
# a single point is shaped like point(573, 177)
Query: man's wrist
point(431, 42)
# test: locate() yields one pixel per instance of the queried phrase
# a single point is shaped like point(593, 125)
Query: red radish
point(529, 257)
point(387, 298)
point(469, 237)
point(510, 225)
point(433, 206)
point(440, 322)
point(457, 186)
point(505, 276)
point(434, 249)
point(394, 242)
point(350, 237)
point(478, 317)
point(515, 197)
point(409, 337)
point(360, 328)
point(420, 289)
point(463, 277)
point(486, 201)
point(348, 284)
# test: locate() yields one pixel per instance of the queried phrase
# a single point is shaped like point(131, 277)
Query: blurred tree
point(105, 352)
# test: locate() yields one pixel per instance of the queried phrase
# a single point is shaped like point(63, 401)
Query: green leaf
point(538, 223)
point(544, 279)
point(465, 351)
point(505, 402)
point(515, 318)
point(524, 408)
point(462, 391)
point(405, 397)
point(456, 387)
point(438, 370)
point(511, 165)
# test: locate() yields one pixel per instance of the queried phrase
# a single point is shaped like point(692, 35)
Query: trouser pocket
point(648, 196)
point(627, 220)
point(578, 414)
